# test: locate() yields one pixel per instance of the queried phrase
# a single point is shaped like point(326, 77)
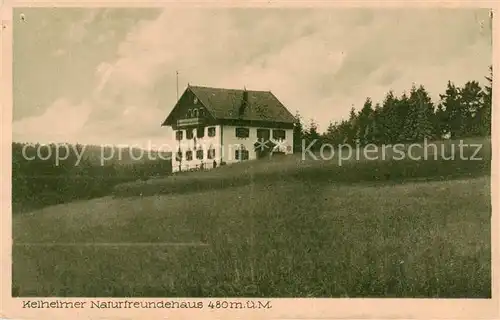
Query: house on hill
point(215, 126)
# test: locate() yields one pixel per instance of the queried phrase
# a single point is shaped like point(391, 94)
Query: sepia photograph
point(251, 152)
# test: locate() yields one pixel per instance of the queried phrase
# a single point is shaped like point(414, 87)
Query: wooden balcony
point(191, 122)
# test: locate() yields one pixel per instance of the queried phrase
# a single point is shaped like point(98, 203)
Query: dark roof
point(226, 103)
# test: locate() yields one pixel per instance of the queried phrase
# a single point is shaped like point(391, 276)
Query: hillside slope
point(414, 239)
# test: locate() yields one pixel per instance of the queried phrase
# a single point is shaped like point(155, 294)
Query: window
point(244, 155)
point(195, 113)
point(211, 153)
point(189, 155)
point(200, 132)
point(242, 132)
point(241, 154)
point(211, 132)
point(189, 134)
point(279, 134)
point(263, 134)
point(199, 154)
point(178, 135)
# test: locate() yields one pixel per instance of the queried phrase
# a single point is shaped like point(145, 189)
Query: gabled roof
point(225, 104)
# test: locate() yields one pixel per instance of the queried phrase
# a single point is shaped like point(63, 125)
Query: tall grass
point(287, 228)
point(286, 240)
point(437, 166)
point(38, 181)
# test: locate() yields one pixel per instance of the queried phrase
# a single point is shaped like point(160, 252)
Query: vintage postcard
point(257, 159)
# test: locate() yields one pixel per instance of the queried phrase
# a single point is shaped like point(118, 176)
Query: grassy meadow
point(64, 173)
point(271, 228)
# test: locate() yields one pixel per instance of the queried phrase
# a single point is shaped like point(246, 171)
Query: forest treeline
point(461, 112)
point(57, 173)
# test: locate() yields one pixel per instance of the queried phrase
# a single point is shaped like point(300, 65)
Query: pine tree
point(389, 119)
point(452, 115)
point(418, 123)
point(441, 125)
point(350, 128)
point(345, 133)
point(312, 132)
point(402, 111)
point(485, 111)
point(298, 133)
point(408, 134)
point(377, 128)
point(365, 122)
point(471, 96)
point(427, 110)
point(331, 134)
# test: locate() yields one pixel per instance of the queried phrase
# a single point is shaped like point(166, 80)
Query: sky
point(108, 76)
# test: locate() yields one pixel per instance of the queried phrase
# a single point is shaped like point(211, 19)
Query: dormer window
point(195, 113)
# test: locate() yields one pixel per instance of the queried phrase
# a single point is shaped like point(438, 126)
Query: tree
point(441, 125)
point(298, 133)
point(389, 119)
point(427, 111)
point(471, 99)
point(377, 127)
point(413, 117)
point(349, 129)
point(331, 134)
point(313, 130)
point(485, 110)
point(451, 115)
point(312, 134)
point(418, 123)
point(402, 111)
point(364, 122)
point(346, 133)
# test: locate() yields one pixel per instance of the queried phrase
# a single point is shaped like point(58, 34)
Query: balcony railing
point(190, 122)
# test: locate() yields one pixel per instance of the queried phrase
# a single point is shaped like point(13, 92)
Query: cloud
point(62, 120)
point(79, 29)
point(319, 62)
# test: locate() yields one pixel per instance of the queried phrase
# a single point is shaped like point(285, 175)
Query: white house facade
point(214, 127)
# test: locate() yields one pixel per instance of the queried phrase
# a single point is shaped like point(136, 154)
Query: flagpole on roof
point(177, 83)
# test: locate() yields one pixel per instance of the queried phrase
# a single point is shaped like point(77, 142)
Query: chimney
point(244, 102)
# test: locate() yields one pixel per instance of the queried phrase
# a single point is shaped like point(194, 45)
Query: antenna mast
point(177, 83)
